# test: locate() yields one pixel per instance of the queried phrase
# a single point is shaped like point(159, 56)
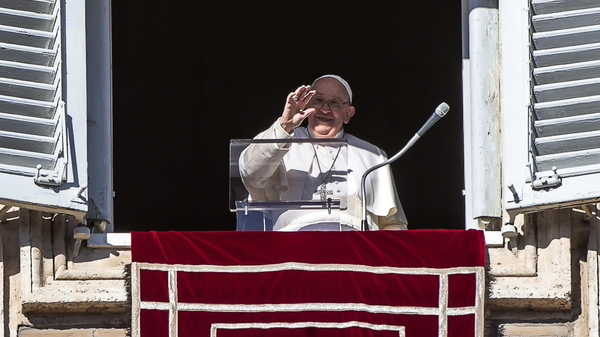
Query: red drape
point(379, 283)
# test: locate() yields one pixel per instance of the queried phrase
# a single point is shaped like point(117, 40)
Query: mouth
point(324, 119)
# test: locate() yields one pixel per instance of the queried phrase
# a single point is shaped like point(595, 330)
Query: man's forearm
point(260, 161)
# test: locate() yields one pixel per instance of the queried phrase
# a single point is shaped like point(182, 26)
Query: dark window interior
point(189, 77)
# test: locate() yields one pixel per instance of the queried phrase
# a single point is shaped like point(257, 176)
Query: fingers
point(295, 110)
point(302, 95)
point(299, 99)
point(299, 93)
point(292, 97)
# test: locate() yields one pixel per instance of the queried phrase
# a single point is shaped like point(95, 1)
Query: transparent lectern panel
point(292, 184)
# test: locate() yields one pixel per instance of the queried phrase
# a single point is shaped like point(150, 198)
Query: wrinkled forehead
point(342, 87)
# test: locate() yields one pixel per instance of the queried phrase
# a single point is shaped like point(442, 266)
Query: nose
point(328, 109)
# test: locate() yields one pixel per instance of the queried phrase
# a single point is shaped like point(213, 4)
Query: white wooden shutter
point(43, 104)
point(557, 115)
point(566, 86)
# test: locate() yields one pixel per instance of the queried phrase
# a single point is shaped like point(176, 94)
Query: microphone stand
point(364, 224)
point(440, 112)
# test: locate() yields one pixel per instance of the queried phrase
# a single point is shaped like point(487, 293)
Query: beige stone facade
point(49, 292)
point(544, 282)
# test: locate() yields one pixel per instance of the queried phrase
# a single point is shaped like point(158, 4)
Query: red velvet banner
point(380, 283)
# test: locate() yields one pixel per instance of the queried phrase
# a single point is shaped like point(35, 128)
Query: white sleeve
point(261, 165)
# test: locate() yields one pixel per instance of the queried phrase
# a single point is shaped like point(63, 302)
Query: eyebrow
point(336, 97)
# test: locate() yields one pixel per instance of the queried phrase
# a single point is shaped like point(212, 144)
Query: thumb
point(305, 113)
point(309, 111)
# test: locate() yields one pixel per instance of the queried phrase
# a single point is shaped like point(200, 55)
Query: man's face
point(333, 108)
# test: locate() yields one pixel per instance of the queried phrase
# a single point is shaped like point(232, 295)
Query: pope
point(291, 171)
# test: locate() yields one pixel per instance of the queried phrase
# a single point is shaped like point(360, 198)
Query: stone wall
point(542, 283)
point(545, 281)
point(48, 291)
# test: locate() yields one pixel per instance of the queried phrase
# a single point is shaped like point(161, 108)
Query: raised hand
point(295, 110)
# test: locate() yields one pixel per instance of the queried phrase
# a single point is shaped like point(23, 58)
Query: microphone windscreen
point(442, 109)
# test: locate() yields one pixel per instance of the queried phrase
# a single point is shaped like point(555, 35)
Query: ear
point(349, 113)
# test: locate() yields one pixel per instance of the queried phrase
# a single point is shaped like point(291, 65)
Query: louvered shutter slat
point(27, 72)
point(32, 143)
point(568, 142)
point(26, 37)
point(25, 162)
point(28, 55)
point(566, 90)
point(567, 72)
point(566, 55)
point(27, 19)
point(566, 20)
point(565, 108)
point(27, 107)
point(35, 6)
point(28, 90)
point(582, 160)
point(566, 37)
point(28, 125)
point(568, 125)
point(554, 6)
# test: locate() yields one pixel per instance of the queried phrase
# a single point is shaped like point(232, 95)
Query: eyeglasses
point(319, 101)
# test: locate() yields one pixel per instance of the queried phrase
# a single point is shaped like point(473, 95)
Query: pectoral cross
point(323, 192)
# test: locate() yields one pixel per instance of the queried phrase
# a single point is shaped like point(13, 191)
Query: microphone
point(440, 112)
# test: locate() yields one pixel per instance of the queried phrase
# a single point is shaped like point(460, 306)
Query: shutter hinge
point(545, 179)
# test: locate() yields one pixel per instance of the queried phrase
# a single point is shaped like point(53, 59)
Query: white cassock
point(290, 172)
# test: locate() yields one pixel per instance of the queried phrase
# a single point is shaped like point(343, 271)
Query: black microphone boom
point(440, 112)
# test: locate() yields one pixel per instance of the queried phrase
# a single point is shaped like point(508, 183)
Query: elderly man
point(271, 172)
